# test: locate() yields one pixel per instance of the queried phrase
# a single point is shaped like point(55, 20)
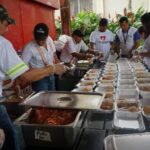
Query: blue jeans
point(45, 84)
point(11, 141)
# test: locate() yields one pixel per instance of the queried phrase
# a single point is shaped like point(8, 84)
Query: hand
point(2, 137)
point(60, 69)
point(89, 56)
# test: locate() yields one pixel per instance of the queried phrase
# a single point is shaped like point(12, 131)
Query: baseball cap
point(41, 31)
point(4, 15)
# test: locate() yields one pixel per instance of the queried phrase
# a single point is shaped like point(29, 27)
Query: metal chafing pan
point(128, 120)
point(67, 100)
point(139, 141)
point(47, 136)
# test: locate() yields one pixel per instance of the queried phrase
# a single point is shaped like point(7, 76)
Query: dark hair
point(141, 29)
point(122, 19)
point(103, 22)
point(145, 19)
point(77, 33)
point(40, 31)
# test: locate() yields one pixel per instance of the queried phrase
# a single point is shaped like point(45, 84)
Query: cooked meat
point(52, 116)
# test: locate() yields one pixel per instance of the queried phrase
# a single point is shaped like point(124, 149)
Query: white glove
point(60, 69)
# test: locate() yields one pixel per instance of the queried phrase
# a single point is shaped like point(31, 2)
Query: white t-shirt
point(102, 41)
point(127, 39)
point(71, 47)
point(147, 48)
point(10, 63)
point(32, 57)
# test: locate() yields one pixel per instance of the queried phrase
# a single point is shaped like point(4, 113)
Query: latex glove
point(2, 138)
point(60, 69)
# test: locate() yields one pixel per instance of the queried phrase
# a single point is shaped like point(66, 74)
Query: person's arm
point(145, 54)
point(136, 41)
point(56, 60)
point(116, 45)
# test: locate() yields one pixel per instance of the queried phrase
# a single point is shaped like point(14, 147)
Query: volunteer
point(127, 39)
point(102, 39)
point(71, 48)
point(13, 67)
point(145, 54)
point(41, 52)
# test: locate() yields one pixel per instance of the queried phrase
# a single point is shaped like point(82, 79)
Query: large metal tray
point(128, 120)
point(48, 136)
point(139, 141)
point(68, 100)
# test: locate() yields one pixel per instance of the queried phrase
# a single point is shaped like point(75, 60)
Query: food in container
point(49, 128)
point(86, 83)
point(107, 78)
point(143, 80)
point(144, 91)
point(127, 105)
point(85, 88)
point(94, 71)
point(51, 116)
point(142, 75)
point(107, 104)
point(146, 110)
point(109, 95)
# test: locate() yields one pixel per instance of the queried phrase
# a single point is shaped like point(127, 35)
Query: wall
point(27, 14)
point(116, 6)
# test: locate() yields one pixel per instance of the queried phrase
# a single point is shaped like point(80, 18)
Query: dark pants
point(11, 141)
point(45, 84)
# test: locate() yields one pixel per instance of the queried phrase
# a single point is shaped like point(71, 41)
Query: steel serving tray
point(68, 100)
point(48, 136)
point(140, 141)
point(128, 121)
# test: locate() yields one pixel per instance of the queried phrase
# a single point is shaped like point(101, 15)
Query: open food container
point(127, 93)
point(140, 141)
point(128, 121)
point(104, 88)
point(126, 82)
point(49, 107)
point(46, 127)
point(146, 108)
point(144, 91)
point(107, 105)
point(128, 105)
point(85, 89)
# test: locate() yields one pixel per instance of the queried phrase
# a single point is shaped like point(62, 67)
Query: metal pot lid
point(68, 100)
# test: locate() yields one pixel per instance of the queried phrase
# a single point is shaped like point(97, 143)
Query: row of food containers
point(127, 91)
point(126, 87)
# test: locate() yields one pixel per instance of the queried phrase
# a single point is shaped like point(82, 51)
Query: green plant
point(87, 21)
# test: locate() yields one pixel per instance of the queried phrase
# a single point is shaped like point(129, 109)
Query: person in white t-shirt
point(127, 39)
point(102, 39)
point(12, 66)
point(71, 47)
point(38, 53)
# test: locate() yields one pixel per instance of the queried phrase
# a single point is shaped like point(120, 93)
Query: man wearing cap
point(40, 52)
point(13, 67)
point(72, 46)
point(102, 39)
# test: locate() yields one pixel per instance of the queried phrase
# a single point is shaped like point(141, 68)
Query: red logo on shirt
point(103, 38)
